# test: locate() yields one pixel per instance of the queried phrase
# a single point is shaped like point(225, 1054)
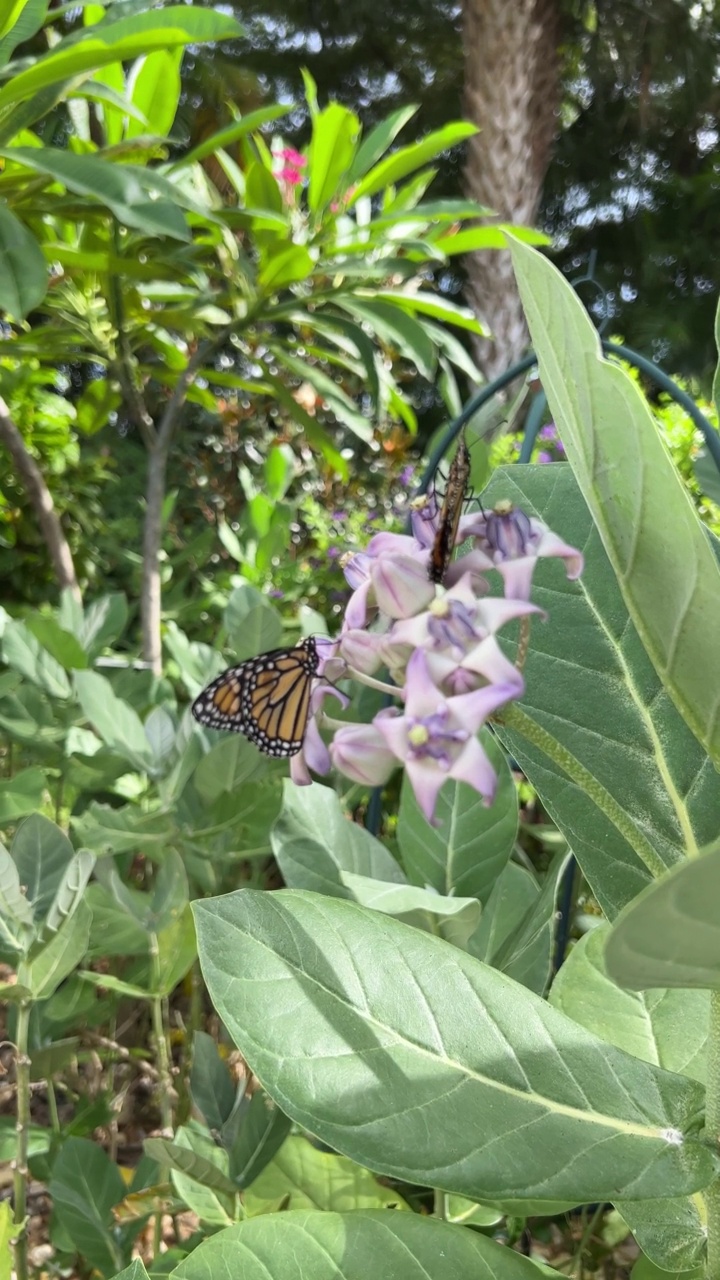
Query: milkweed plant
point(409, 1007)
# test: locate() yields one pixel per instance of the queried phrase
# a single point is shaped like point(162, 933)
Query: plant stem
point(712, 1128)
point(440, 1209)
point(166, 1088)
point(20, 1176)
point(577, 1266)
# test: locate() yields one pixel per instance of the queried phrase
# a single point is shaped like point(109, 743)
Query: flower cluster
point(439, 645)
point(289, 174)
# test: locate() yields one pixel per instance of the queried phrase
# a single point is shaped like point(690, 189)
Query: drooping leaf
point(23, 269)
point(114, 185)
point(118, 41)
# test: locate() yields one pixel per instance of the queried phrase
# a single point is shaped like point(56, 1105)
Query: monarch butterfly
point(446, 534)
point(267, 698)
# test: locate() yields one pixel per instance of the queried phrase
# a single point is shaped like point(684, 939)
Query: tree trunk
point(157, 442)
point(512, 94)
point(41, 500)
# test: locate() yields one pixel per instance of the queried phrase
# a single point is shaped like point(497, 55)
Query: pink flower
point(359, 752)
point(291, 157)
point(514, 542)
point(436, 739)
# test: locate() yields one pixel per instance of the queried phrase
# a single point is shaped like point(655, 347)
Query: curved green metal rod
point(486, 394)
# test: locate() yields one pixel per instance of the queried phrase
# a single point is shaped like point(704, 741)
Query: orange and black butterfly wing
point(450, 512)
point(266, 698)
point(277, 702)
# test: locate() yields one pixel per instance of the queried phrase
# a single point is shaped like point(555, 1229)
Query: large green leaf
point(305, 1178)
point(85, 1185)
point(670, 935)
point(335, 132)
point(22, 794)
point(468, 849)
point(666, 569)
point(42, 854)
point(47, 965)
point(129, 37)
point(24, 653)
point(114, 185)
point(367, 1014)
point(156, 92)
point(19, 21)
point(352, 1246)
point(314, 842)
point(23, 269)
point(614, 762)
point(667, 1027)
point(117, 723)
point(400, 163)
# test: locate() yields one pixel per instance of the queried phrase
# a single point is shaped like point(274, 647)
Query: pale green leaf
point(327, 1246)
point(670, 935)
point(305, 1178)
point(645, 515)
point(314, 842)
point(614, 763)
point(466, 852)
point(407, 1015)
point(335, 132)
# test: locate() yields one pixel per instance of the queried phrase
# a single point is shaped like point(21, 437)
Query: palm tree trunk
point(512, 94)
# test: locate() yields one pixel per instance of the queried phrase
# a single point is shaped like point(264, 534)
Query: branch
point(180, 390)
point(41, 500)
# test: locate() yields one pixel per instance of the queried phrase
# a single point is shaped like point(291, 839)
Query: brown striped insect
point(450, 512)
point(267, 698)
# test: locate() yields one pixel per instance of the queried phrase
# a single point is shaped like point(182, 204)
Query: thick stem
point(20, 1176)
point(712, 1129)
point(41, 500)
